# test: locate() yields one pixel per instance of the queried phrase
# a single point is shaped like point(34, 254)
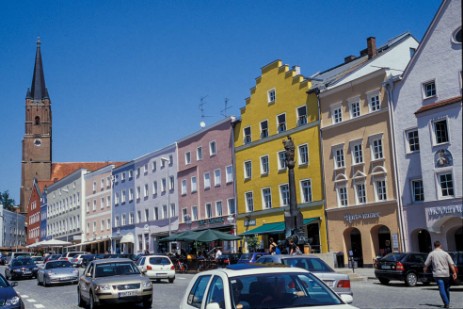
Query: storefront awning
point(127, 238)
point(273, 228)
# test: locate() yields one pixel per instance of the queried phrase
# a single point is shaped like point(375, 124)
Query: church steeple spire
point(38, 90)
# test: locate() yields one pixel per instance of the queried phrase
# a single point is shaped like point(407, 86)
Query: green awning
point(273, 228)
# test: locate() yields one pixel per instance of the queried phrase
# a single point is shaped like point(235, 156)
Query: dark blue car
point(21, 268)
point(9, 299)
point(250, 257)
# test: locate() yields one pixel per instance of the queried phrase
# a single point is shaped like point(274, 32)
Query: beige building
point(360, 189)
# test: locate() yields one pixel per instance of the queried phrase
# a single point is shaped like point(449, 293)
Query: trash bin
point(340, 259)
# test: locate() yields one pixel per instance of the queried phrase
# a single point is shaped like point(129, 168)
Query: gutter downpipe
point(389, 84)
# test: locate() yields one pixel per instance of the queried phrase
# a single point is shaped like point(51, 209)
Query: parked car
point(84, 260)
point(12, 255)
point(252, 286)
point(38, 260)
point(457, 257)
point(157, 267)
point(228, 259)
point(52, 257)
point(21, 268)
point(250, 257)
point(340, 283)
point(55, 272)
point(113, 281)
point(9, 298)
point(407, 267)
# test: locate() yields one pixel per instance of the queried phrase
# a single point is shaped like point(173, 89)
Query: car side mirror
point(347, 298)
point(13, 284)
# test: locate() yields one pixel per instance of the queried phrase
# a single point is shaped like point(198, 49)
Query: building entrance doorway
point(459, 239)
point(424, 241)
point(384, 240)
point(356, 246)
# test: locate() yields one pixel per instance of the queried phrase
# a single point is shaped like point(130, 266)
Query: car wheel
point(383, 281)
point(80, 301)
point(411, 279)
point(171, 280)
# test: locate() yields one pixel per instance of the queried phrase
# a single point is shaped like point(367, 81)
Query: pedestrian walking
point(441, 263)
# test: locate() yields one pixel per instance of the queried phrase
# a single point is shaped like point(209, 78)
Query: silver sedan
point(340, 283)
point(55, 272)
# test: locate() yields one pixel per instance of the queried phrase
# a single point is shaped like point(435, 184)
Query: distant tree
point(8, 203)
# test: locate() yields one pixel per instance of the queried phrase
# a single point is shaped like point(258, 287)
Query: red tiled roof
point(438, 104)
point(61, 170)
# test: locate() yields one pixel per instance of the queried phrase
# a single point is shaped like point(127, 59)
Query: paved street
point(367, 294)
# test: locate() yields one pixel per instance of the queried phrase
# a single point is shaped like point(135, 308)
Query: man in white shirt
point(218, 253)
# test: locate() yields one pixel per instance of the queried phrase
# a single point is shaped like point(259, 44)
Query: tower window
point(37, 120)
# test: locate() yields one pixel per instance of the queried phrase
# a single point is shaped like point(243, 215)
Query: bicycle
point(181, 267)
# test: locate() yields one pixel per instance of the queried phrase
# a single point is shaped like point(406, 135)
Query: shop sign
point(250, 222)
point(211, 221)
point(355, 217)
point(445, 210)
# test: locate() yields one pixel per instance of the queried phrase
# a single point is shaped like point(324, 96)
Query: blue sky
point(126, 77)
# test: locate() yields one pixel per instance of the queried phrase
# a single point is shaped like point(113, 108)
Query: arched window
point(37, 120)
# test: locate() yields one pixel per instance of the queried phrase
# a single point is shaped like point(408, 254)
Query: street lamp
point(169, 212)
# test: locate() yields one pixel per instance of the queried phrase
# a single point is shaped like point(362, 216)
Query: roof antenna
point(224, 111)
point(202, 124)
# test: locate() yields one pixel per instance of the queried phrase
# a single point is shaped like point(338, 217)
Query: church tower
point(37, 141)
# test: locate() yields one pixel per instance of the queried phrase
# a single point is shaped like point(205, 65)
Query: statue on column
point(289, 152)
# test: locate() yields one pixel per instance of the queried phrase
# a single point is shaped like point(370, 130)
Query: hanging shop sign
point(444, 210)
point(211, 221)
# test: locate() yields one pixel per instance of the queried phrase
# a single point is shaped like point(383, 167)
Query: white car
point(245, 286)
point(157, 267)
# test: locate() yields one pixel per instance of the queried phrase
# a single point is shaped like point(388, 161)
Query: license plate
point(126, 294)
point(385, 267)
point(161, 274)
point(27, 272)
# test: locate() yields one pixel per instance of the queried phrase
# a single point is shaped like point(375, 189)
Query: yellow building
point(279, 106)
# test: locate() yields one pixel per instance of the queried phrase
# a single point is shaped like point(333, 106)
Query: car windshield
point(246, 256)
point(159, 261)
point(3, 282)
point(116, 269)
point(58, 264)
point(393, 257)
point(22, 262)
point(311, 264)
point(280, 290)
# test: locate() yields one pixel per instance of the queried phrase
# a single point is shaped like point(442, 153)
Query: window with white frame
point(341, 192)
point(130, 174)
point(94, 205)
point(303, 154)
point(218, 209)
point(123, 220)
point(264, 129)
point(354, 107)
point(249, 200)
point(172, 210)
point(380, 189)
point(123, 177)
point(247, 170)
point(108, 224)
point(156, 213)
point(229, 174)
point(247, 135)
point(360, 193)
point(429, 89)
point(145, 168)
point(376, 146)
point(207, 180)
point(131, 218)
point(373, 101)
point(138, 193)
point(281, 123)
point(155, 187)
point(440, 129)
point(146, 190)
point(194, 187)
point(271, 96)
point(108, 201)
point(412, 140)
point(194, 213)
point(139, 216)
point(284, 195)
point(212, 148)
point(445, 183)
point(94, 226)
point(357, 154)
point(301, 115)
point(417, 190)
point(164, 160)
point(185, 215)
point(306, 190)
point(264, 165)
point(336, 113)
point(102, 225)
point(217, 177)
point(208, 209)
point(165, 213)
point(116, 199)
point(94, 186)
point(187, 158)
point(138, 172)
point(102, 203)
point(281, 160)
point(266, 198)
point(130, 194)
point(231, 206)
point(102, 184)
point(147, 214)
point(199, 153)
point(171, 183)
point(183, 188)
point(163, 185)
point(153, 166)
point(338, 155)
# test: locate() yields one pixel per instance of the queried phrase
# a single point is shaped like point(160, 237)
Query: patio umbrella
point(179, 236)
point(54, 243)
point(211, 235)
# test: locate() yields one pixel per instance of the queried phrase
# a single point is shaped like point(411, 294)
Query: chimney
point(371, 47)
point(349, 58)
